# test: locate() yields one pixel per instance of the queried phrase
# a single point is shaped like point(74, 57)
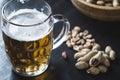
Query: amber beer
point(28, 48)
point(27, 28)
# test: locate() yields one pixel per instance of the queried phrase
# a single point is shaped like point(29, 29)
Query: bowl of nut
point(105, 10)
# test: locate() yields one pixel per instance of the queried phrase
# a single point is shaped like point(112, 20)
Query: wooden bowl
point(104, 13)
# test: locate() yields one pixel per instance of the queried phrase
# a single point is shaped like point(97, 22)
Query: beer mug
point(27, 29)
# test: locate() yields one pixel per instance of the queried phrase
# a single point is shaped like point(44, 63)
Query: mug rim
point(26, 25)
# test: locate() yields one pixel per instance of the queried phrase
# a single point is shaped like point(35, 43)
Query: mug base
point(31, 74)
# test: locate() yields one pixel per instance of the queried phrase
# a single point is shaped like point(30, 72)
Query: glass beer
point(28, 35)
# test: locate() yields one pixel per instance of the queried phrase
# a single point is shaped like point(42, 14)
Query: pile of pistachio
point(89, 55)
point(112, 3)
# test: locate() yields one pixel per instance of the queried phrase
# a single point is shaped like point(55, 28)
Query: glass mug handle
point(64, 32)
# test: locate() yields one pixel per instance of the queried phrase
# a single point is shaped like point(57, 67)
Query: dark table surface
point(105, 33)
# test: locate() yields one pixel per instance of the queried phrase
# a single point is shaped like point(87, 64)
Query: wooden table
point(105, 33)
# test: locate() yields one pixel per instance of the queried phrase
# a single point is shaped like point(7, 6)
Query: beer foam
point(27, 17)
